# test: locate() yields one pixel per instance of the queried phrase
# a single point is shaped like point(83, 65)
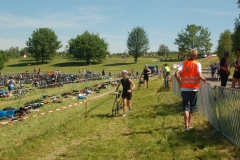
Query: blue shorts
point(10, 88)
point(189, 100)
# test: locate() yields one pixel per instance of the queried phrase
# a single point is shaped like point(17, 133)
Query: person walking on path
point(166, 71)
point(190, 72)
point(213, 70)
point(236, 75)
point(224, 72)
point(10, 83)
point(145, 75)
point(128, 87)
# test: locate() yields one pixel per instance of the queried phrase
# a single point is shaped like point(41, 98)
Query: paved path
point(214, 81)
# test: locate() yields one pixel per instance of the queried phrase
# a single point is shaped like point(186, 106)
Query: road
point(214, 80)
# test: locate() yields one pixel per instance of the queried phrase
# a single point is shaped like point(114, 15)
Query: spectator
point(218, 70)
point(224, 72)
point(132, 73)
point(166, 71)
point(236, 75)
point(213, 70)
point(145, 75)
point(190, 72)
point(103, 73)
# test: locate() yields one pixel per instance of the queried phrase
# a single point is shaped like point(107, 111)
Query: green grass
point(153, 129)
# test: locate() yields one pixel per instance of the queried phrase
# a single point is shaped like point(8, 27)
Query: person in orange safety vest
point(188, 75)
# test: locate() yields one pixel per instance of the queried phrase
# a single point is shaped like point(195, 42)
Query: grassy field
point(153, 129)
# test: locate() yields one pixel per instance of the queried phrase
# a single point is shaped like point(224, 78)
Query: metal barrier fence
point(175, 87)
point(229, 112)
point(206, 104)
point(220, 105)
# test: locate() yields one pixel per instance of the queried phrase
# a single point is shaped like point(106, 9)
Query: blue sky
point(112, 19)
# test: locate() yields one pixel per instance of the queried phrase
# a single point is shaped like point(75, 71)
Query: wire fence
point(220, 105)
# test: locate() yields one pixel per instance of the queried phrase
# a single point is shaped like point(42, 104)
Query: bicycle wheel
point(139, 84)
point(114, 108)
point(119, 106)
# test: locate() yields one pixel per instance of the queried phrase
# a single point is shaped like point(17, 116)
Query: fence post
point(86, 112)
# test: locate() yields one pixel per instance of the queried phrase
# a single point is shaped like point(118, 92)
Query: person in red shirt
point(236, 75)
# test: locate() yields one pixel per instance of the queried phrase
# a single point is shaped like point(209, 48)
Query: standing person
point(34, 70)
point(103, 73)
point(128, 87)
point(213, 70)
point(166, 71)
point(224, 72)
point(218, 70)
point(145, 75)
point(236, 75)
point(137, 75)
point(132, 73)
point(10, 83)
point(190, 72)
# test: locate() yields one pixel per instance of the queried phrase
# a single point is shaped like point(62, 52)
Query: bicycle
point(140, 82)
point(117, 104)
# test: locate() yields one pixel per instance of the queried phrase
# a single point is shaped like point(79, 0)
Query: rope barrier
point(52, 111)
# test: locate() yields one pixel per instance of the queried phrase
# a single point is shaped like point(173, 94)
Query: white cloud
point(81, 17)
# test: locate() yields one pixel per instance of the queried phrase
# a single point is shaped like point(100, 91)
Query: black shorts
point(146, 78)
point(189, 100)
point(236, 74)
point(127, 95)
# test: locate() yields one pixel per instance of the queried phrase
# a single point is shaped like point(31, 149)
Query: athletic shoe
point(186, 129)
point(124, 115)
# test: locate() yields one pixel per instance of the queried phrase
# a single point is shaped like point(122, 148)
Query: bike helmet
point(124, 72)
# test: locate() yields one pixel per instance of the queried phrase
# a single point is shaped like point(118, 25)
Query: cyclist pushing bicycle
point(128, 87)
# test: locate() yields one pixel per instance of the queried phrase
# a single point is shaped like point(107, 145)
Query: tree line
point(43, 44)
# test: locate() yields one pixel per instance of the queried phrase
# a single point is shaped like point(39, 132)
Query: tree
point(137, 43)
point(225, 43)
point(24, 51)
point(43, 44)
point(13, 52)
point(3, 59)
point(163, 50)
point(88, 47)
point(236, 37)
point(194, 37)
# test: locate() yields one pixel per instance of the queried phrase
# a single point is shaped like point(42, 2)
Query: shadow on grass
point(73, 64)
point(102, 116)
point(118, 64)
point(27, 60)
point(164, 89)
point(167, 109)
point(27, 64)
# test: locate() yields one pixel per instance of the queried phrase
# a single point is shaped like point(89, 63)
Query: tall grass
point(153, 129)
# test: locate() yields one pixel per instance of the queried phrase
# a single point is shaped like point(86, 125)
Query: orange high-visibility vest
point(190, 76)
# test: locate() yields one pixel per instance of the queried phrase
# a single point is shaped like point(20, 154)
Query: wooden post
point(86, 112)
